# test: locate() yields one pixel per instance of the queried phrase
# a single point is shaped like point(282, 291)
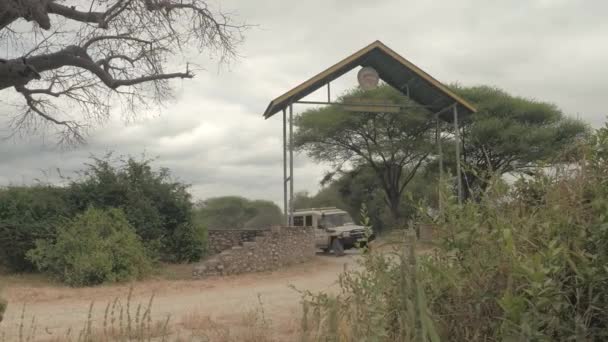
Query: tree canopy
point(393, 145)
point(508, 134)
point(88, 56)
point(353, 189)
point(511, 134)
point(234, 212)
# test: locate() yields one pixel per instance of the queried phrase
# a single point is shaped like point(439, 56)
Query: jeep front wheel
point(338, 248)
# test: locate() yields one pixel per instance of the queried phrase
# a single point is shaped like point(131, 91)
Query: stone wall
point(269, 251)
point(222, 239)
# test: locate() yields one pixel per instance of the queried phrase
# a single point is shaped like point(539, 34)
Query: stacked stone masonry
point(269, 250)
point(220, 240)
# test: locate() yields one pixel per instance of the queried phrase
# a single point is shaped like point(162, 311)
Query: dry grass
point(175, 278)
point(174, 272)
point(36, 287)
point(252, 326)
point(124, 320)
point(188, 322)
point(31, 279)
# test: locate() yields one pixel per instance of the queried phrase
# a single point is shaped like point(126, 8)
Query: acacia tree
point(393, 145)
point(510, 134)
point(233, 212)
point(86, 56)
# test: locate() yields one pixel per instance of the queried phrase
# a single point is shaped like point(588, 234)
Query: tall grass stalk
point(381, 301)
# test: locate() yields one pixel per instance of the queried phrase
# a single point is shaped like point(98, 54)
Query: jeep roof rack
point(322, 208)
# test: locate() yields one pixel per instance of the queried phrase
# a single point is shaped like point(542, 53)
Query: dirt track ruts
point(224, 299)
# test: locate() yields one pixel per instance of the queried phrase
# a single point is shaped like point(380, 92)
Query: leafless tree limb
point(100, 51)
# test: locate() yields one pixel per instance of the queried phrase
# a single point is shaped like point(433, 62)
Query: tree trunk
point(38, 11)
point(20, 71)
point(394, 203)
point(30, 10)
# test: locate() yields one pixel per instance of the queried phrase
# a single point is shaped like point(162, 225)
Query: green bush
point(26, 215)
point(154, 204)
point(97, 246)
point(189, 241)
point(381, 300)
point(159, 209)
point(233, 212)
point(526, 263)
point(519, 271)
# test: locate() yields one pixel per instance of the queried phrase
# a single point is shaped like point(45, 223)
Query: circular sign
point(368, 78)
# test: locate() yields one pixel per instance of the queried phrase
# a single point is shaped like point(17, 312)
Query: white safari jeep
point(334, 228)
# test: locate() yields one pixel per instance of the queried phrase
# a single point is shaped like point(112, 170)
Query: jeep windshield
point(335, 220)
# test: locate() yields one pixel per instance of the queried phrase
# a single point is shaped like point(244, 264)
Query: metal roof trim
point(350, 63)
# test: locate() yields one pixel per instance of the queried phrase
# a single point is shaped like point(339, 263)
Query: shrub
point(159, 209)
point(154, 204)
point(26, 215)
point(520, 264)
point(97, 246)
point(381, 300)
point(527, 265)
point(189, 241)
point(531, 269)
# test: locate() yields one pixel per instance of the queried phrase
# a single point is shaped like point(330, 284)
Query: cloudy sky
point(213, 135)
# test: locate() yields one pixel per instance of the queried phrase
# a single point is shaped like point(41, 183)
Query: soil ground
point(223, 300)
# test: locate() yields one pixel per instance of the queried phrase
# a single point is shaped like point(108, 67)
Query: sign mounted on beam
point(368, 78)
point(371, 106)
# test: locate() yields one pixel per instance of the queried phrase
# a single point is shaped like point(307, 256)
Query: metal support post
point(291, 208)
point(457, 137)
point(328, 93)
point(285, 209)
point(440, 156)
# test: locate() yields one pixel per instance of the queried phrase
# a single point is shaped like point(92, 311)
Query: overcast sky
point(214, 137)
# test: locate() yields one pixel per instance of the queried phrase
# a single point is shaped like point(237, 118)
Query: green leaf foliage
point(155, 205)
point(380, 301)
point(159, 208)
point(233, 212)
point(393, 145)
point(26, 215)
point(523, 263)
point(528, 264)
point(95, 247)
point(354, 189)
point(189, 242)
point(512, 134)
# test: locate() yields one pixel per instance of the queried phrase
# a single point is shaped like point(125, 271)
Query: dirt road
point(224, 300)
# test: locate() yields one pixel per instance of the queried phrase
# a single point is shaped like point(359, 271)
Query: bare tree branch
point(72, 13)
point(104, 50)
point(122, 36)
point(71, 131)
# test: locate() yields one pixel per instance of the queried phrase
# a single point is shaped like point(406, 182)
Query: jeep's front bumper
point(351, 241)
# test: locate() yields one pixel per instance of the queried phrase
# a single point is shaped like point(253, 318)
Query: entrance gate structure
point(396, 71)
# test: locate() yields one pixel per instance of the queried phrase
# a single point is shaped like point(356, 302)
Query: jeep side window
point(298, 221)
point(309, 221)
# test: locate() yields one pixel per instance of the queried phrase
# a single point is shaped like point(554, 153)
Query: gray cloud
point(213, 136)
